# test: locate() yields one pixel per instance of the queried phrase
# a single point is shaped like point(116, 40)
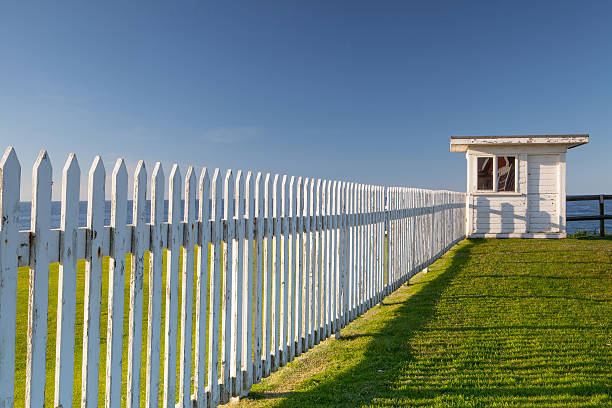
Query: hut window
point(505, 173)
point(485, 173)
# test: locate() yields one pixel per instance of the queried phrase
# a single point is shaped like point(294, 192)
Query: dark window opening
point(485, 173)
point(505, 173)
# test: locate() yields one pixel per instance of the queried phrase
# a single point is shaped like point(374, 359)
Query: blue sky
point(364, 91)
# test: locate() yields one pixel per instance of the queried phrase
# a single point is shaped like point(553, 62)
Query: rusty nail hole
point(99, 252)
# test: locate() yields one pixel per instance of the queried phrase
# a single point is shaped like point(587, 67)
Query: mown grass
point(495, 323)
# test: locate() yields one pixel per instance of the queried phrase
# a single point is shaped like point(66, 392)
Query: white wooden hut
point(516, 184)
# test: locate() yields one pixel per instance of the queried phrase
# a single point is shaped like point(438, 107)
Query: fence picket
point(93, 285)
point(298, 242)
point(136, 283)
point(202, 265)
point(39, 282)
point(189, 235)
point(237, 286)
point(214, 293)
point(67, 277)
point(116, 284)
point(247, 290)
point(258, 279)
point(10, 180)
point(172, 286)
point(155, 287)
point(267, 278)
point(226, 314)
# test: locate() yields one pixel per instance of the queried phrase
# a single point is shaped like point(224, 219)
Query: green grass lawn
point(495, 323)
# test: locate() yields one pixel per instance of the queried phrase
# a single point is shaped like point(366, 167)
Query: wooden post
point(602, 227)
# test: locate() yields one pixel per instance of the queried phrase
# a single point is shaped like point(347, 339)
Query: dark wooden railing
point(601, 217)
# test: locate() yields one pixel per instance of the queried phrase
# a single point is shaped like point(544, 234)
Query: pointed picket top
point(276, 206)
point(157, 194)
point(216, 195)
point(290, 210)
point(283, 197)
point(228, 195)
point(174, 202)
point(140, 194)
point(297, 205)
point(258, 196)
point(248, 196)
point(190, 195)
point(204, 194)
point(41, 190)
point(238, 191)
point(71, 183)
point(119, 195)
point(267, 196)
point(10, 186)
point(96, 183)
point(311, 199)
point(304, 205)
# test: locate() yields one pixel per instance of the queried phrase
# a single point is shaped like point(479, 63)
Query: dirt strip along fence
point(270, 266)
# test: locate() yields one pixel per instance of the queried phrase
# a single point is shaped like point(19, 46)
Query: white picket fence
point(284, 262)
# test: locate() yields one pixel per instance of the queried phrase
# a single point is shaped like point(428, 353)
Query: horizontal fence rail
point(265, 267)
point(601, 217)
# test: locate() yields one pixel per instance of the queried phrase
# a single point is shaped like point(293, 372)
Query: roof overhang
point(462, 143)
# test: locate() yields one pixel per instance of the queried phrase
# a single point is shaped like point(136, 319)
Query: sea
point(574, 208)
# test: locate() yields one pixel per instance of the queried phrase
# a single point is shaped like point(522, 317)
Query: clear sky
point(368, 91)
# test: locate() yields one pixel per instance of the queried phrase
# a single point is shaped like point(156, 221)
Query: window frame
point(495, 189)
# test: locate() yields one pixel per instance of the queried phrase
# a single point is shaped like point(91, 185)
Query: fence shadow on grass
point(387, 351)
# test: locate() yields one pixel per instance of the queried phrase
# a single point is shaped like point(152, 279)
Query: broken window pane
point(505, 173)
point(485, 173)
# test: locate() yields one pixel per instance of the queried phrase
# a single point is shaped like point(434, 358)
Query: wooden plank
point(156, 245)
point(39, 282)
point(267, 277)
point(93, 285)
point(189, 235)
point(116, 285)
point(306, 260)
point(327, 262)
point(298, 242)
point(139, 219)
point(226, 314)
point(258, 280)
point(276, 273)
point(237, 286)
point(10, 180)
point(311, 266)
point(317, 263)
point(67, 273)
point(202, 267)
point(284, 289)
point(214, 295)
point(290, 236)
point(172, 286)
point(247, 294)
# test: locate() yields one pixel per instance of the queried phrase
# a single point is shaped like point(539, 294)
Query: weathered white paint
point(155, 287)
point(229, 231)
point(10, 179)
point(136, 283)
point(189, 235)
point(116, 285)
point(93, 285)
point(66, 297)
point(202, 268)
point(300, 261)
point(172, 287)
point(39, 282)
point(214, 290)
